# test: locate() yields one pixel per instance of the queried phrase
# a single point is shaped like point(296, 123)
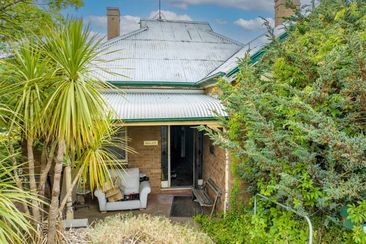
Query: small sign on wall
point(151, 143)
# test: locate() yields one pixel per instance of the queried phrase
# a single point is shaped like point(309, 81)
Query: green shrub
point(232, 229)
point(296, 121)
point(272, 225)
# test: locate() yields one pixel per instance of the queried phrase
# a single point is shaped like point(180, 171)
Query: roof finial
point(159, 18)
point(159, 14)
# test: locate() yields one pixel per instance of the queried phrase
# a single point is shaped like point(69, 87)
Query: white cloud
point(128, 23)
point(169, 15)
point(253, 24)
point(240, 4)
point(97, 21)
point(266, 5)
point(221, 21)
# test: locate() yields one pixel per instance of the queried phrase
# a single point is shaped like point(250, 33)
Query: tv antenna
point(159, 15)
point(159, 18)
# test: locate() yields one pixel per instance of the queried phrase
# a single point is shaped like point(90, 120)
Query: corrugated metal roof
point(163, 105)
point(252, 47)
point(171, 51)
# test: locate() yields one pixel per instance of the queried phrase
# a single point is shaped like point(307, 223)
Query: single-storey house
point(168, 71)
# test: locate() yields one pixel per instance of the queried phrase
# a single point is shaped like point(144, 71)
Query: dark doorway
point(181, 144)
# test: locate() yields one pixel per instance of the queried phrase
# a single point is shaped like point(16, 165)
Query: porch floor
point(158, 205)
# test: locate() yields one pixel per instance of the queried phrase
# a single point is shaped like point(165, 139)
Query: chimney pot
point(113, 22)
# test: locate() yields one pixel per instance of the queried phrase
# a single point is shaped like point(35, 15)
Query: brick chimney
point(281, 11)
point(113, 22)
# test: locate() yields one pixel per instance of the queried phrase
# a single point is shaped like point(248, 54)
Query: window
point(118, 149)
point(164, 153)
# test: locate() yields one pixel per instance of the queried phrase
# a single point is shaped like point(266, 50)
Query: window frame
point(125, 160)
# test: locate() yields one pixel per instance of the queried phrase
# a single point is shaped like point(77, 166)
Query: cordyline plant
point(297, 119)
point(60, 113)
point(15, 224)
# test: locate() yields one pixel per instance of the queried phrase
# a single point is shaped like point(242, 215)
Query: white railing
point(288, 209)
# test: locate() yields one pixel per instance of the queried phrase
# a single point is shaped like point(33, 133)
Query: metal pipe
point(227, 177)
point(288, 209)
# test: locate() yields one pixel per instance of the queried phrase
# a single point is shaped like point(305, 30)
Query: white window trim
point(125, 161)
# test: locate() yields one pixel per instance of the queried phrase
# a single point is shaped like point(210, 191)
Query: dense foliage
point(270, 226)
point(60, 121)
point(23, 17)
point(297, 120)
point(15, 225)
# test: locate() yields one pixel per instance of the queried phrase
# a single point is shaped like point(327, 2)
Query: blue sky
point(237, 19)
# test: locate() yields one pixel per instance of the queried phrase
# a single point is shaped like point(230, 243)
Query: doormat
point(184, 206)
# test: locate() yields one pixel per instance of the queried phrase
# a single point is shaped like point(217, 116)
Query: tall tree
point(75, 111)
point(59, 106)
point(20, 17)
point(15, 225)
point(29, 72)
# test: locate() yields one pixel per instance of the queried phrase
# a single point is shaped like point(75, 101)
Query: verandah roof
point(162, 105)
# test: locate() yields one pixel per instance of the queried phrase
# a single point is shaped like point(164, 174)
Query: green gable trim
point(283, 37)
point(170, 119)
point(212, 79)
point(253, 60)
point(202, 83)
point(257, 56)
point(232, 72)
point(153, 83)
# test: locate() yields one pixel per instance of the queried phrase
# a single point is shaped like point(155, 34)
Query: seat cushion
point(130, 181)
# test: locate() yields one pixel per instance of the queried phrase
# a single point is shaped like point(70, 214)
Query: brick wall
point(214, 167)
point(281, 10)
point(146, 158)
point(113, 23)
point(212, 90)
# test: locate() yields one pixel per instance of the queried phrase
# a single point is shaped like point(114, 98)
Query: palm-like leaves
point(56, 99)
point(76, 109)
point(14, 224)
point(75, 112)
point(98, 157)
point(27, 72)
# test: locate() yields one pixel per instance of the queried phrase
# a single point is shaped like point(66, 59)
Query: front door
point(181, 156)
